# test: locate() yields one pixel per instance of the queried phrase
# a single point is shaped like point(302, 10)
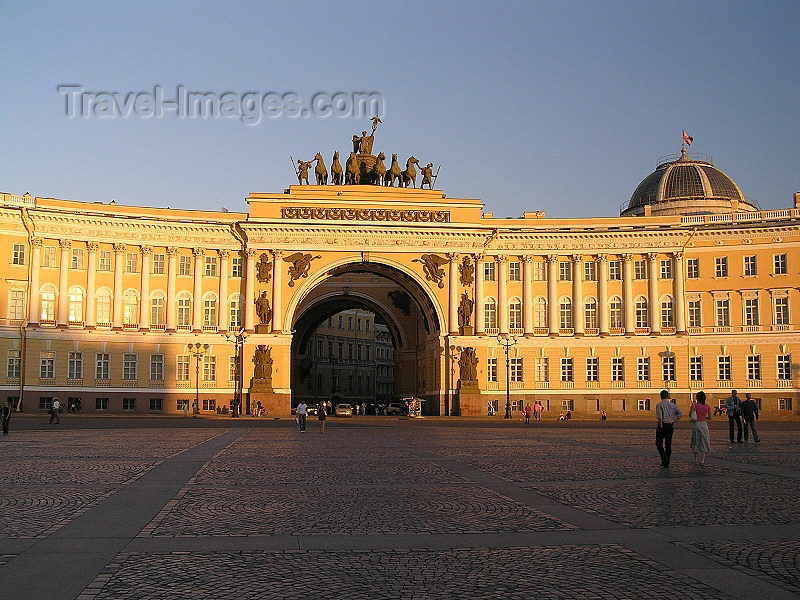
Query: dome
point(686, 186)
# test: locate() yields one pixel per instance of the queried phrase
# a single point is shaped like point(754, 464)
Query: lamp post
point(453, 356)
point(197, 350)
point(238, 385)
point(506, 343)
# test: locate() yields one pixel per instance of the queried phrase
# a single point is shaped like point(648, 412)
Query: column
point(602, 293)
point(552, 294)
point(502, 294)
point(91, 283)
point(62, 316)
point(627, 293)
point(277, 309)
point(144, 307)
point(119, 252)
point(578, 321)
point(480, 319)
point(452, 293)
point(652, 291)
point(250, 290)
point(527, 295)
point(197, 312)
point(224, 270)
point(36, 264)
point(679, 300)
point(172, 289)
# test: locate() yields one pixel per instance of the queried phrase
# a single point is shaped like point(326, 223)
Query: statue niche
point(468, 370)
point(262, 370)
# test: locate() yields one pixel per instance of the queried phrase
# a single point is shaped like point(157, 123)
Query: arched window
point(540, 311)
point(210, 311)
point(615, 308)
point(103, 308)
point(515, 314)
point(490, 313)
point(235, 303)
point(184, 314)
point(76, 297)
point(157, 309)
point(641, 312)
point(130, 308)
point(667, 312)
point(590, 313)
point(48, 304)
point(565, 313)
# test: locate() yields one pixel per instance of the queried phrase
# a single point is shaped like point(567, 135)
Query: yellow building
point(133, 309)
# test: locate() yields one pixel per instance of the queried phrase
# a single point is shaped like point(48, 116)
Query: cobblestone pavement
point(387, 508)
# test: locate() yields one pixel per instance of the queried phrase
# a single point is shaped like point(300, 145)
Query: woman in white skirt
point(701, 440)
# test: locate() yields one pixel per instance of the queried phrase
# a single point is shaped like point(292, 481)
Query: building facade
point(139, 310)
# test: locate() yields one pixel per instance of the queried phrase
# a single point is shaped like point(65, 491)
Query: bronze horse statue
point(393, 173)
point(352, 173)
point(336, 170)
point(321, 172)
point(410, 174)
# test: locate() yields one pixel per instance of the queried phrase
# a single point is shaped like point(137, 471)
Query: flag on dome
point(687, 139)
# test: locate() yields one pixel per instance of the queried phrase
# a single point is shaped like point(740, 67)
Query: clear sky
point(557, 106)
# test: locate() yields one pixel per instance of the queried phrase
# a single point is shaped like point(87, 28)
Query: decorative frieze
point(365, 214)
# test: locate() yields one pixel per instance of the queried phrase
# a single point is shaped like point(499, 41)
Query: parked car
point(394, 408)
point(344, 410)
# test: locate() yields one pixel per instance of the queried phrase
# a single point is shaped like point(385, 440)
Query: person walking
point(733, 406)
point(528, 411)
point(302, 411)
point(54, 408)
point(750, 416)
point(7, 409)
point(667, 413)
point(321, 416)
point(701, 439)
point(537, 410)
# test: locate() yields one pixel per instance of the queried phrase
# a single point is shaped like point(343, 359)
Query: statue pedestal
point(276, 405)
point(471, 403)
point(263, 328)
point(261, 385)
point(467, 330)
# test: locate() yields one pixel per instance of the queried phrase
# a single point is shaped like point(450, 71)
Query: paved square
point(392, 508)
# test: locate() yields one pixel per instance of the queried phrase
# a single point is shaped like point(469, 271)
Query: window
point(156, 404)
point(132, 262)
point(615, 308)
point(567, 369)
point(47, 365)
point(16, 305)
point(210, 312)
point(130, 308)
point(784, 404)
point(101, 403)
point(565, 270)
point(617, 368)
point(754, 367)
point(542, 368)
point(18, 254)
point(105, 261)
point(539, 271)
point(236, 312)
point(77, 259)
point(490, 314)
point(13, 365)
point(488, 271)
point(102, 366)
point(211, 266)
point(590, 313)
point(516, 369)
point(693, 268)
point(159, 263)
point(723, 312)
point(641, 312)
point(210, 404)
point(592, 368)
point(75, 306)
point(233, 371)
point(48, 305)
point(565, 313)
point(666, 269)
point(615, 270)
point(49, 256)
point(668, 368)
point(237, 266)
point(568, 405)
point(640, 269)
point(695, 313)
point(590, 271)
point(724, 368)
point(751, 311)
point(750, 266)
point(209, 368)
point(182, 367)
point(350, 323)
point(156, 367)
point(667, 313)
point(781, 310)
point(184, 310)
point(491, 369)
point(643, 404)
point(540, 311)
point(129, 364)
point(696, 368)
point(103, 312)
point(514, 271)
point(779, 264)
point(784, 366)
point(721, 266)
point(643, 368)
point(75, 365)
point(515, 314)
point(157, 310)
point(184, 265)
point(129, 404)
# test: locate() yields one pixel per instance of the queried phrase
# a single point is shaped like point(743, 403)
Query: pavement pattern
point(381, 507)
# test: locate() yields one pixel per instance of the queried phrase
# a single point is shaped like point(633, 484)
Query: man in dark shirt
point(750, 416)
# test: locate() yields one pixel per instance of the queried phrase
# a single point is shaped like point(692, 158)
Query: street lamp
point(197, 350)
point(453, 356)
point(238, 385)
point(506, 343)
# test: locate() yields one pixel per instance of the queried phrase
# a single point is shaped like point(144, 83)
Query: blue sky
point(557, 106)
